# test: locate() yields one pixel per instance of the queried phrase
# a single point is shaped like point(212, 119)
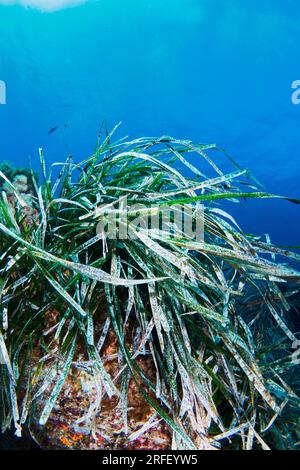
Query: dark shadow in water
point(10, 442)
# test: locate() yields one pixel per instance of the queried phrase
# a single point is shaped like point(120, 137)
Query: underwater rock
point(22, 188)
point(85, 418)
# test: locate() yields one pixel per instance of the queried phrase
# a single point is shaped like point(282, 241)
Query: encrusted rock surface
point(84, 417)
point(26, 198)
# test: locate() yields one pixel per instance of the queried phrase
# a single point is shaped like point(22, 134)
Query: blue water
point(210, 70)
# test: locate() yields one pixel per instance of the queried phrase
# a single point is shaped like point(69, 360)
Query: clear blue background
point(210, 70)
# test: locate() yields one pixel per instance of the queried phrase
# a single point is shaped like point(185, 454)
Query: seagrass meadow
point(155, 341)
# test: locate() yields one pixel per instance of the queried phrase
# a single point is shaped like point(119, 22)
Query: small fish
point(53, 129)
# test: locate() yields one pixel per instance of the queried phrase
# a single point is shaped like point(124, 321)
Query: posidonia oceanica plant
point(213, 313)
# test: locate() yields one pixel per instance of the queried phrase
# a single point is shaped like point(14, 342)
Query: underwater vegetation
point(18, 182)
point(21, 179)
point(154, 340)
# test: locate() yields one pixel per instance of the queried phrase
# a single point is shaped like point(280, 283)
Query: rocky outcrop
point(20, 190)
